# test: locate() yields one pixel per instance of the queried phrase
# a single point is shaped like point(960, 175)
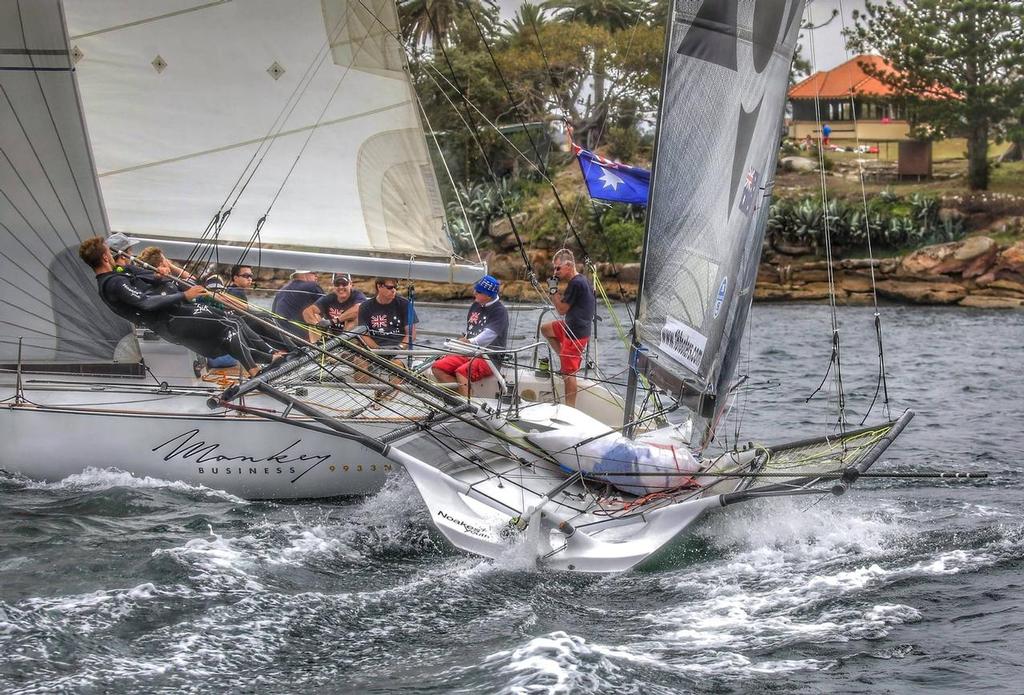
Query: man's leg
point(549, 332)
point(571, 355)
point(571, 389)
point(444, 369)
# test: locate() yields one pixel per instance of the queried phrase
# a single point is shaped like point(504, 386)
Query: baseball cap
point(119, 243)
point(214, 282)
point(488, 285)
point(302, 272)
point(342, 279)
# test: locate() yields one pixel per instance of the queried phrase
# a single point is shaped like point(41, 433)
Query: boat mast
point(628, 418)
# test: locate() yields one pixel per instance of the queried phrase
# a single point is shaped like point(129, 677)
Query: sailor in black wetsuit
point(200, 327)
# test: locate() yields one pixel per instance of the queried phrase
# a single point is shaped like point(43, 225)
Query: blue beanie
point(488, 285)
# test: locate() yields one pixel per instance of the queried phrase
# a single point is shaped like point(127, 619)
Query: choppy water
point(115, 584)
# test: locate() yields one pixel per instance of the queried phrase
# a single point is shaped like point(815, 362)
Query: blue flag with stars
point(612, 181)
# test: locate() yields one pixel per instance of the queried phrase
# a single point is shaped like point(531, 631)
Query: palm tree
point(427, 21)
point(613, 15)
point(526, 19)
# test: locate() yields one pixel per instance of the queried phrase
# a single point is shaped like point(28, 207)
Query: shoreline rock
point(975, 272)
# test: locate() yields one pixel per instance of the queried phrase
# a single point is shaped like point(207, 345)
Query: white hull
point(68, 424)
point(534, 512)
point(245, 456)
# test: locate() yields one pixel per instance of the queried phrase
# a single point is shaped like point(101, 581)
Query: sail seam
point(244, 143)
point(149, 20)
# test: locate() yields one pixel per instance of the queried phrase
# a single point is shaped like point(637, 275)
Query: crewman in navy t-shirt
point(387, 317)
point(486, 327)
point(336, 311)
point(569, 336)
point(292, 299)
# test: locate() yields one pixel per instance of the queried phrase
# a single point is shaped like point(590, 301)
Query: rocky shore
point(975, 272)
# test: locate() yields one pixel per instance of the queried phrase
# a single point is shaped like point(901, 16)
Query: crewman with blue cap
point(486, 327)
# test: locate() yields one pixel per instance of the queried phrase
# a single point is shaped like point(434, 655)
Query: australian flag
point(612, 181)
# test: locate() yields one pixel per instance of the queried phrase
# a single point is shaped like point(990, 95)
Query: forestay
point(306, 103)
point(49, 201)
point(727, 68)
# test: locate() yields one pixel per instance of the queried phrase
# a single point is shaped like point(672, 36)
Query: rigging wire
point(881, 380)
point(533, 144)
point(530, 273)
point(835, 359)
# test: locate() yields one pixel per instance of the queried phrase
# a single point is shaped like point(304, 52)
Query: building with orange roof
point(873, 115)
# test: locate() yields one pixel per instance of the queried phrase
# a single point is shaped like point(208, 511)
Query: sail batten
point(727, 68)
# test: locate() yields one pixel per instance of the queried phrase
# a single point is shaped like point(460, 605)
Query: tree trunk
point(1013, 154)
point(977, 156)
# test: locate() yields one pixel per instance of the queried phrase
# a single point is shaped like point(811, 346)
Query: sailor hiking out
point(174, 316)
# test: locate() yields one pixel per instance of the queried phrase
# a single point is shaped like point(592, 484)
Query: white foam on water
point(93, 478)
point(385, 521)
point(558, 663)
point(218, 564)
point(786, 565)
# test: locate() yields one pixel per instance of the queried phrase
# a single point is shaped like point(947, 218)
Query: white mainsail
point(49, 202)
point(306, 103)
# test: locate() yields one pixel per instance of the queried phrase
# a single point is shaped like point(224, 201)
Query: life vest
point(135, 316)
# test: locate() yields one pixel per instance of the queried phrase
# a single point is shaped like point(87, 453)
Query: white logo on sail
point(683, 343)
point(721, 296)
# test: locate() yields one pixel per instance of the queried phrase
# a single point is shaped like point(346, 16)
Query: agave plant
point(889, 196)
point(925, 212)
point(901, 231)
point(807, 223)
point(946, 229)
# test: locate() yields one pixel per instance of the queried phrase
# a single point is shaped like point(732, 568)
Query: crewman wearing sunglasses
point(387, 317)
point(336, 311)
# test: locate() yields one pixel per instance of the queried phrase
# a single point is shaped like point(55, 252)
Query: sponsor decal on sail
point(720, 299)
point(682, 343)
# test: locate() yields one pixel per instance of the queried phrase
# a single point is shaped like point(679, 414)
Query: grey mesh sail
point(726, 73)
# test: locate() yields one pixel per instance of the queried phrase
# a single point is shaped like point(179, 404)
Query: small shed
point(915, 158)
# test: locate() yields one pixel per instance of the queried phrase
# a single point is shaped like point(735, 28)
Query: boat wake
point(93, 479)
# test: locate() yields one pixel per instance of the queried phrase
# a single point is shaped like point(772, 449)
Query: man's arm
point(311, 314)
point(483, 338)
point(126, 293)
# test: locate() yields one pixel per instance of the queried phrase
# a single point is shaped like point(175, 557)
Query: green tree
point(956, 62)
point(427, 21)
point(615, 17)
point(527, 19)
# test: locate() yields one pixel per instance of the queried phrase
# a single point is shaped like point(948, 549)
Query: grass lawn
point(951, 176)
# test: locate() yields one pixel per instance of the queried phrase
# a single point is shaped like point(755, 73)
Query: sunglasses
point(341, 283)
point(390, 287)
point(245, 275)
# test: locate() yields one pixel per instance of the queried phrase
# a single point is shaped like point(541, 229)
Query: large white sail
point(180, 96)
point(726, 72)
point(49, 202)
